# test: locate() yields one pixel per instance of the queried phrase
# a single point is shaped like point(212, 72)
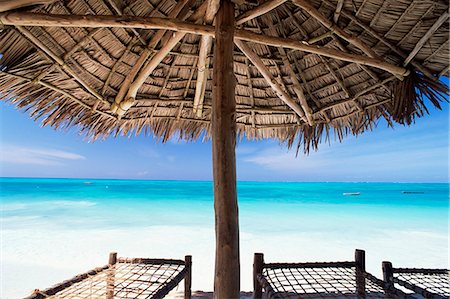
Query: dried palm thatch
point(302, 67)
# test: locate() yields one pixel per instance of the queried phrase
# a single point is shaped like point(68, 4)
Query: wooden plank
point(227, 265)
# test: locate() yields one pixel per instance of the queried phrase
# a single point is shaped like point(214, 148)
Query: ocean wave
point(51, 204)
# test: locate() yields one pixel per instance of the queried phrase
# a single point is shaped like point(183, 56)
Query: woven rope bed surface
point(128, 278)
point(425, 282)
point(336, 280)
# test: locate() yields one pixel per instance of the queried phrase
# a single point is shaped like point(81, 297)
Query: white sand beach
point(38, 258)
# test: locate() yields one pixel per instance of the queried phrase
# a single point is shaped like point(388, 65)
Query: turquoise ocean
point(44, 219)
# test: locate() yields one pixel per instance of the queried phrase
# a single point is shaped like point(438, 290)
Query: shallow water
point(52, 227)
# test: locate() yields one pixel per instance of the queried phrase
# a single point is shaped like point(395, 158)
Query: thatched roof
point(334, 65)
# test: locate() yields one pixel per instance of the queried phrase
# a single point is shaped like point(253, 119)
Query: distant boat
point(87, 183)
point(351, 193)
point(413, 192)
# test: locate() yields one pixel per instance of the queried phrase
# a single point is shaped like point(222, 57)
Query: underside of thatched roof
point(337, 65)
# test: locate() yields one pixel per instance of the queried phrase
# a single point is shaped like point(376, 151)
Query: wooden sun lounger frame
point(390, 280)
point(185, 274)
point(260, 283)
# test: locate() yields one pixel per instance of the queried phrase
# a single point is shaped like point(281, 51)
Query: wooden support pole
point(388, 276)
point(227, 266)
point(110, 275)
point(360, 260)
point(52, 20)
point(188, 277)
point(258, 265)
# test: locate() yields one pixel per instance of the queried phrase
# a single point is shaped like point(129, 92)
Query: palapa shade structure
point(291, 70)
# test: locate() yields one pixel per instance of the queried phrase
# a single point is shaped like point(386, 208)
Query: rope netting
point(129, 278)
point(428, 283)
point(323, 282)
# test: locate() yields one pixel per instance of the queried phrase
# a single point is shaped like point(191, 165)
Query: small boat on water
point(351, 193)
point(413, 192)
point(87, 183)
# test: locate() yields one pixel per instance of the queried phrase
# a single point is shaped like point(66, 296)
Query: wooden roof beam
point(423, 40)
point(257, 62)
point(36, 19)
point(203, 59)
point(258, 11)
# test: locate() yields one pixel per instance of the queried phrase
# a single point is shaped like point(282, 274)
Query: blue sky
point(405, 154)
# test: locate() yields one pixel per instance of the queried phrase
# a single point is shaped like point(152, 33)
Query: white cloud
point(142, 173)
point(14, 154)
point(277, 159)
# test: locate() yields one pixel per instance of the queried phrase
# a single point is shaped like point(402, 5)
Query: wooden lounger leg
point(388, 276)
point(188, 277)
point(360, 260)
point(258, 264)
point(110, 276)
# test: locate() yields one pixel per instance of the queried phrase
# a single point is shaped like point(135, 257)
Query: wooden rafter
point(357, 95)
point(116, 65)
point(296, 84)
point(129, 79)
point(375, 34)
point(257, 62)
point(258, 11)
point(57, 89)
point(44, 49)
point(341, 84)
point(69, 53)
point(203, 59)
point(423, 40)
point(337, 13)
point(364, 68)
point(6, 5)
point(250, 86)
point(119, 12)
point(304, 4)
point(34, 19)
